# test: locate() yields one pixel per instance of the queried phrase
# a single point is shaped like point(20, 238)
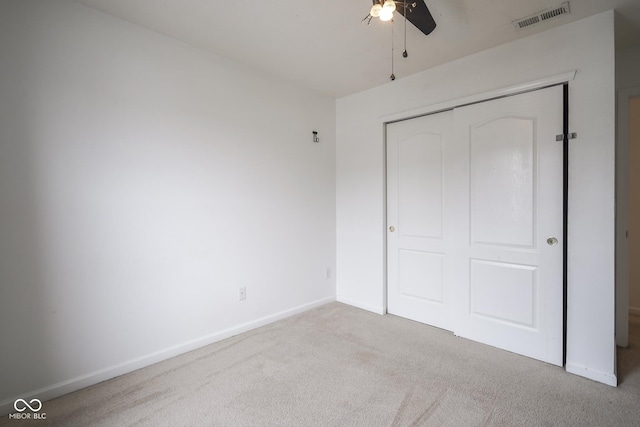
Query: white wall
point(634, 205)
point(586, 46)
point(628, 77)
point(142, 182)
point(628, 68)
point(627, 85)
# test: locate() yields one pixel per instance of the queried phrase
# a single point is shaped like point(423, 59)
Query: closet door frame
point(561, 79)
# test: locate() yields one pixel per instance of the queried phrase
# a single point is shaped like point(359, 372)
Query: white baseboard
point(368, 307)
point(583, 371)
point(95, 377)
point(634, 310)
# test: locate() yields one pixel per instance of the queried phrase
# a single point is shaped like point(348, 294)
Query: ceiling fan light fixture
point(375, 10)
point(386, 14)
point(389, 5)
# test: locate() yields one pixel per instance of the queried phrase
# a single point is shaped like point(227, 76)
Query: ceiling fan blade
point(419, 16)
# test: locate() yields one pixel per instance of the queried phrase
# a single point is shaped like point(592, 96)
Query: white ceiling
point(323, 45)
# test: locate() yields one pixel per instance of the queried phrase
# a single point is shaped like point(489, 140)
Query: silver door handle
point(392, 229)
point(552, 241)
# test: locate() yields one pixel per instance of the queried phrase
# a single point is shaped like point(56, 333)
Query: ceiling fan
point(416, 12)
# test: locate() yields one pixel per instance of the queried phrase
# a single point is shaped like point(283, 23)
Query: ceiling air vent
point(543, 15)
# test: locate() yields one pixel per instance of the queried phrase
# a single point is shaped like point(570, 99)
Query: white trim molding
point(483, 96)
point(368, 307)
point(602, 377)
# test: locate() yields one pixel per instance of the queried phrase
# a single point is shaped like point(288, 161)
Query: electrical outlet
point(242, 293)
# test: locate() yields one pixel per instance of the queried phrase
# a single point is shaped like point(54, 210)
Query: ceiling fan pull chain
point(405, 54)
point(392, 76)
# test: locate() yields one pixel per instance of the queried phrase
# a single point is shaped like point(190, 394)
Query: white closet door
point(418, 239)
point(509, 288)
point(474, 210)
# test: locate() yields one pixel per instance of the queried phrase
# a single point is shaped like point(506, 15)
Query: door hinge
point(571, 135)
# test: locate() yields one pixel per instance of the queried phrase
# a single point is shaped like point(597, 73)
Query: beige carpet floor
point(340, 366)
